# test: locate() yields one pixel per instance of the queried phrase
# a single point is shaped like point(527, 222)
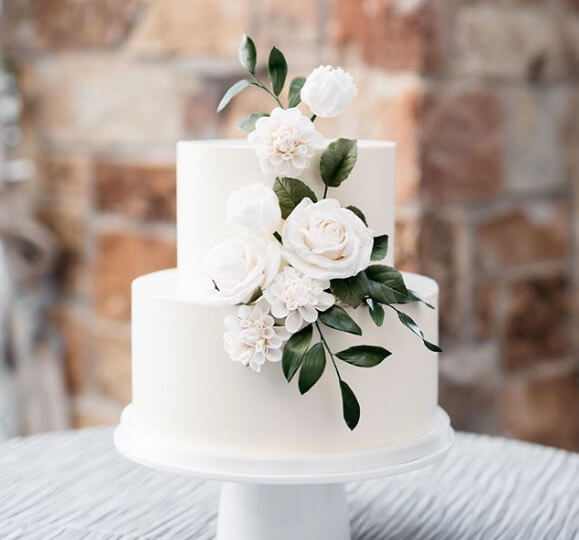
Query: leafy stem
point(325, 191)
point(259, 84)
point(313, 117)
point(325, 343)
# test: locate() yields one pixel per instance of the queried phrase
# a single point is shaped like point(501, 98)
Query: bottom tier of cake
point(189, 394)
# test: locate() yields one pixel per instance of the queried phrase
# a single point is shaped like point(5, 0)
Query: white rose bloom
point(285, 142)
point(328, 91)
point(325, 241)
point(236, 268)
point(251, 336)
point(254, 207)
point(297, 298)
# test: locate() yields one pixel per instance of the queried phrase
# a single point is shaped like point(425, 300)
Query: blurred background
point(482, 98)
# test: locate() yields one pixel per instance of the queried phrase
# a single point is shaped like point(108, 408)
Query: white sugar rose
point(328, 91)
point(297, 298)
point(325, 241)
point(254, 207)
point(236, 268)
point(251, 336)
point(284, 142)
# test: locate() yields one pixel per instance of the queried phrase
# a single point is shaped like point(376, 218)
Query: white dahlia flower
point(251, 336)
point(297, 298)
point(325, 241)
point(328, 91)
point(284, 142)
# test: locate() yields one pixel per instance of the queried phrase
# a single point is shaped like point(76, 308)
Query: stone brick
point(73, 324)
point(543, 409)
point(469, 386)
point(462, 146)
point(487, 298)
point(512, 43)
point(406, 240)
point(112, 364)
point(389, 107)
point(64, 176)
point(211, 27)
point(92, 411)
point(443, 247)
point(535, 139)
point(121, 257)
point(104, 100)
point(201, 117)
point(537, 326)
point(69, 24)
point(392, 34)
point(524, 234)
point(140, 190)
point(68, 223)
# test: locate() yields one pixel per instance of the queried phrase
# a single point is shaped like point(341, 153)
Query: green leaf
point(338, 318)
point(352, 290)
point(376, 312)
point(408, 321)
point(338, 160)
point(350, 406)
point(248, 123)
point(294, 350)
point(385, 284)
point(233, 90)
point(358, 212)
point(277, 70)
point(295, 89)
point(247, 53)
point(413, 296)
point(290, 192)
point(380, 247)
point(312, 367)
point(363, 355)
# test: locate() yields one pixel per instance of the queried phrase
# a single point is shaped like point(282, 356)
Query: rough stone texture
point(112, 364)
point(392, 34)
point(103, 100)
point(537, 325)
point(70, 24)
point(462, 146)
point(543, 408)
point(121, 257)
point(211, 27)
point(64, 177)
point(515, 236)
point(488, 298)
point(512, 43)
point(139, 190)
point(407, 235)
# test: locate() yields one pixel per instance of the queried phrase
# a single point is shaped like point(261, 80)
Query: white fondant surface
point(189, 393)
point(208, 171)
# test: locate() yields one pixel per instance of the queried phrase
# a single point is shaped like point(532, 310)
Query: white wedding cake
point(285, 329)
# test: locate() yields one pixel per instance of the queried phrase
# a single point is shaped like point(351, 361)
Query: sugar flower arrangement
point(302, 263)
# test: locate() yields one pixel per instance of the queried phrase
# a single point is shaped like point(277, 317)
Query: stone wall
point(481, 96)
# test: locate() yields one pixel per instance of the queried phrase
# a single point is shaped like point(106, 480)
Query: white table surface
point(74, 486)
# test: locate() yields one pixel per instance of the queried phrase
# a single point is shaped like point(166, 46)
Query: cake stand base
point(256, 512)
point(284, 498)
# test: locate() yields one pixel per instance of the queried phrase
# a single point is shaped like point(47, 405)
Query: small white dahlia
point(284, 142)
point(297, 298)
point(251, 336)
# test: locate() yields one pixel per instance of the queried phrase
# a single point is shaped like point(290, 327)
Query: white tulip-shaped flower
point(328, 91)
point(284, 142)
point(254, 207)
point(251, 336)
point(297, 298)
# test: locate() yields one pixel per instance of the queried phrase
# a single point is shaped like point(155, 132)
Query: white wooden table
point(74, 486)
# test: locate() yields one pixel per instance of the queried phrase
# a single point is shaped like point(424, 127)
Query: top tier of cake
point(208, 171)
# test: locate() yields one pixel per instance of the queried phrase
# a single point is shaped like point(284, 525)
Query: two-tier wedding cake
point(285, 329)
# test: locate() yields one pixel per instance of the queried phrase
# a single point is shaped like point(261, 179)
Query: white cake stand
point(286, 498)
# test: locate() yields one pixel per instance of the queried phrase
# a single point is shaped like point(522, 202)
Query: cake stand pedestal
point(285, 498)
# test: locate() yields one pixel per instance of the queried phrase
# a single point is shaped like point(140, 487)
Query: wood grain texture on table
point(74, 486)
